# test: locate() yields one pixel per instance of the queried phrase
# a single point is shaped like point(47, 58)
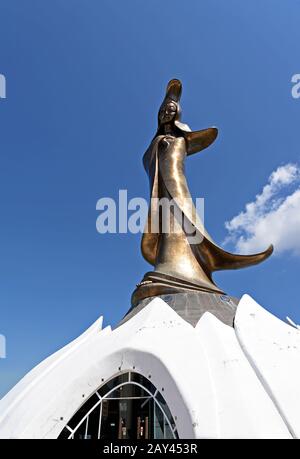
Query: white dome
point(218, 381)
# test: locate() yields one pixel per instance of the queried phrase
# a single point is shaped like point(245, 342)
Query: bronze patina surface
point(185, 259)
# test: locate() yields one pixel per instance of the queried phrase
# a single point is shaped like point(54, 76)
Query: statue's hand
point(167, 140)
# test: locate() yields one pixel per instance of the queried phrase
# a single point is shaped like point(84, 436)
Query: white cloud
point(273, 217)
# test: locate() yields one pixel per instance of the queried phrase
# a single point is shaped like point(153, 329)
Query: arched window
point(127, 406)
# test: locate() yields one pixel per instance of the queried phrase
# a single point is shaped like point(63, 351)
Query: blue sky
point(84, 82)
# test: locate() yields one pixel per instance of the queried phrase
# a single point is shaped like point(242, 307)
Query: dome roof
point(218, 381)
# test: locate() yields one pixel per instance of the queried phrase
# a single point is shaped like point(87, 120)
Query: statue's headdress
point(173, 93)
point(196, 140)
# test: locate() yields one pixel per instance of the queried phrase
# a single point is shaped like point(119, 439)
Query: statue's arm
point(198, 140)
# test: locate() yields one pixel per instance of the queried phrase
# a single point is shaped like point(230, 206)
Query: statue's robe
point(164, 164)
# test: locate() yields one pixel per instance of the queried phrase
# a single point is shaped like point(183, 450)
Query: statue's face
point(167, 112)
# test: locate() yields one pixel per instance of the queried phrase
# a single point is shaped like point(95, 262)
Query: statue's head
point(167, 112)
point(170, 109)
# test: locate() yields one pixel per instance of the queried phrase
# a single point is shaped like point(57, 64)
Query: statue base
point(190, 306)
point(155, 283)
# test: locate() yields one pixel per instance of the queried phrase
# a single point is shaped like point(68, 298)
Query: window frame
point(129, 381)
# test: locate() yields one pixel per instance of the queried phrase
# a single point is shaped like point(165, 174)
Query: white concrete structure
point(218, 381)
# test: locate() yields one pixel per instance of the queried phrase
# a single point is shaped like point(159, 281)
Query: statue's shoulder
point(150, 153)
point(153, 146)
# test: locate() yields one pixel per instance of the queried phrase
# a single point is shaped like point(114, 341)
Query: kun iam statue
point(181, 263)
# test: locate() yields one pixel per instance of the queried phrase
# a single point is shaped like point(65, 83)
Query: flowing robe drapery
point(164, 164)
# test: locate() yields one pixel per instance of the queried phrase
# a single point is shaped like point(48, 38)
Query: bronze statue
point(180, 263)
